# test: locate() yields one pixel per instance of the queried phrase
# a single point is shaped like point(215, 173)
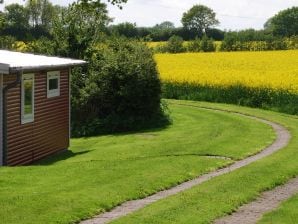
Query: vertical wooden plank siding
point(49, 133)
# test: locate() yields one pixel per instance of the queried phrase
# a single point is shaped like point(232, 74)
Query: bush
point(175, 45)
point(122, 91)
point(207, 45)
point(6, 42)
point(41, 46)
point(232, 42)
point(194, 46)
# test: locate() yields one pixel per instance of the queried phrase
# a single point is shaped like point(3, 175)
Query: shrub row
point(176, 45)
point(231, 44)
point(265, 98)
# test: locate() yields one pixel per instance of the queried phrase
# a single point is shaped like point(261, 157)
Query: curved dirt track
point(268, 201)
point(283, 137)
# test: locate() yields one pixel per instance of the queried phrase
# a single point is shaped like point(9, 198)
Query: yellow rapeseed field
point(277, 70)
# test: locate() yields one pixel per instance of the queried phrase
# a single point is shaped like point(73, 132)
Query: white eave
point(11, 62)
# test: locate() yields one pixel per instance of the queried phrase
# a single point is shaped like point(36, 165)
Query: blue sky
point(233, 14)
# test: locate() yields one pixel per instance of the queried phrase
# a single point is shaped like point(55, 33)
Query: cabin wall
point(1, 120)
point(49, 133)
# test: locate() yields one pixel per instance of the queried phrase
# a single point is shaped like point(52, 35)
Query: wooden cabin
point(34, 106)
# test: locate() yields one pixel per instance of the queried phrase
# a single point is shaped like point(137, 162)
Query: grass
point(102, 172)
point(223, 195)
point(286, 213)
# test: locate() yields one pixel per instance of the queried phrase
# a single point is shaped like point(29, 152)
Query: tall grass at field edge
point(265, 98)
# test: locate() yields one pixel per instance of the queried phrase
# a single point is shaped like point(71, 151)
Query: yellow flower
point(277, 70)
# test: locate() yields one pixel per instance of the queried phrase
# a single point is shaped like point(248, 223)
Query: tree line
point(38, 17)
point(200, 20)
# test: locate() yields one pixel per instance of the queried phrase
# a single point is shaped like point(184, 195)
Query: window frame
point(27, 118)
point(54, 92)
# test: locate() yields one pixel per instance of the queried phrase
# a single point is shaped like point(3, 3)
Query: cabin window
point(53, 84)
point(27, 108)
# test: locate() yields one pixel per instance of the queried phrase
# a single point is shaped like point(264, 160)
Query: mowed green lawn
point(224, 194)
point(286, 214)
point(102, 172)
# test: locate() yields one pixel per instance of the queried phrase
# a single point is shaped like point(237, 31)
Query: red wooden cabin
point(34, 106)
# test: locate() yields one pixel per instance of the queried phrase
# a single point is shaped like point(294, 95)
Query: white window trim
point(29, 117)
point(55, 92)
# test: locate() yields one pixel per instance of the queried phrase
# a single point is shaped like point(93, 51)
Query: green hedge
point(265, 98)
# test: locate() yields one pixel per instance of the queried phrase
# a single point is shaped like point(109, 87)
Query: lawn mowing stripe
point(268, 201)
point(283, 138)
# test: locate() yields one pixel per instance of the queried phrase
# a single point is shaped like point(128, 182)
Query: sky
point(232, 14)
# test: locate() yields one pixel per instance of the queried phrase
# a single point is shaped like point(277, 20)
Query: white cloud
point(233, 14)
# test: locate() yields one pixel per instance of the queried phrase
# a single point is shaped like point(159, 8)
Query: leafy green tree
point(215, 34)
point(2, 21)
point(41, 12)
point(284, 24)
point(80, 28)
point(166, 25)
point(16, 16)
point(126, 29)
point(98, 3)
point(199, 18)
point(162, 31)
point(114, 2)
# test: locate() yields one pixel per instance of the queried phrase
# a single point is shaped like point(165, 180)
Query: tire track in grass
point(283, 138)
point(268, 201)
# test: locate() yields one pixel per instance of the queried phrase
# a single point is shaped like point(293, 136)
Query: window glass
point(27, 98)
point(53, 84)
point(28, 91)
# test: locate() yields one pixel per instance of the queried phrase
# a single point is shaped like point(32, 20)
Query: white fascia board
point(4, 68)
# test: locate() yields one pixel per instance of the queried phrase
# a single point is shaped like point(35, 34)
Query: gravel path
point(251, 213)
point(283, 137)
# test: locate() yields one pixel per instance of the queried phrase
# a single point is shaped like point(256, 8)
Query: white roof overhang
point(11, 62)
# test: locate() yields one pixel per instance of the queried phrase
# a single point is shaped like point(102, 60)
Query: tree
point(166, 25)
point(163, 31)
point(2, 21)
point(97, 3)
point(126, 29)
point(41, 13)
point(16, 16)
point(199, 18)
point(285, 23)
point(114, 2)
point(79, 28)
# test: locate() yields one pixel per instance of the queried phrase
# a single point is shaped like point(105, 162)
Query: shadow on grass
point(58, 157)
point(154, 126)
point(67, 154)
point(147, 131)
